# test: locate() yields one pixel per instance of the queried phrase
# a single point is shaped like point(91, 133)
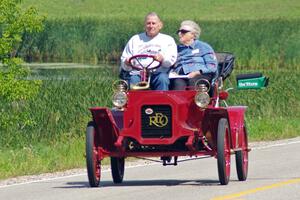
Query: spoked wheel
point(93, 162)
point(241, 158)
point(117, 169)
point(223, 151)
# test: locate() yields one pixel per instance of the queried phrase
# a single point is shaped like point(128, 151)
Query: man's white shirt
point(142, 44)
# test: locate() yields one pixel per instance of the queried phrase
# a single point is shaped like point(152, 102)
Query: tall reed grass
point(60, 111)
point(52, 138)
point(269, 44)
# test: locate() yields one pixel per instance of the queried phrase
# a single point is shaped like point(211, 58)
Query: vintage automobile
point(195, 122)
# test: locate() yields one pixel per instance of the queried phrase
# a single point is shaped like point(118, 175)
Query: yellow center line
point(267, 187)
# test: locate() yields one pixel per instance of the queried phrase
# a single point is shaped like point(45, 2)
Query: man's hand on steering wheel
point(158, 57)
point(127, 62)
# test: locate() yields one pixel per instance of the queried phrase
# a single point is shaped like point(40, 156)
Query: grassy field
point(169, 9)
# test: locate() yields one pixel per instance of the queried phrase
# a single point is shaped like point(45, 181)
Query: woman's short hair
point(192, 26)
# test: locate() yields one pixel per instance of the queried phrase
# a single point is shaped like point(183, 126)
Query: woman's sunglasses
point(182, 31)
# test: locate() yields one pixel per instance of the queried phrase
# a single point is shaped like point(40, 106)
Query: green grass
point(169, 9)
point(41, 157)
point(268, 129)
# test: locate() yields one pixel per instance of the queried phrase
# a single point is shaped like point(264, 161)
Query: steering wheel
point(144, 62)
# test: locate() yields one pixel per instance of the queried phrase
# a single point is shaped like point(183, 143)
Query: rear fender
point(210, 124)
point(236, 115)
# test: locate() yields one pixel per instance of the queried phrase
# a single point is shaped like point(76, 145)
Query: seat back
point(225, 64)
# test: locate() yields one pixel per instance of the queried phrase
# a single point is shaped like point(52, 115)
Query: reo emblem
point(159, 120)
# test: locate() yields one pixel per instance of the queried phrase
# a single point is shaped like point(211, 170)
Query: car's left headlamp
point(202, 99)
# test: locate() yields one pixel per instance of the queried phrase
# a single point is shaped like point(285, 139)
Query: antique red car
point(169, 124)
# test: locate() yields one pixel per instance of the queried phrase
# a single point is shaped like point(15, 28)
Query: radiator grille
point(156, 121)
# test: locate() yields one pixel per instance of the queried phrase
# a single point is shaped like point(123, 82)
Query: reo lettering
point(158, 120)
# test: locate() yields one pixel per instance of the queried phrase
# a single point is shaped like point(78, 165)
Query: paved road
point(274, 174)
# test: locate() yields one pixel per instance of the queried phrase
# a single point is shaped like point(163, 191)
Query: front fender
point(108, 125)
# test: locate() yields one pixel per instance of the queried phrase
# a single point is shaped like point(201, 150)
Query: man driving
point(151, 42)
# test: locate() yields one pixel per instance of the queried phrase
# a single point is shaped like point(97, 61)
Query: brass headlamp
point(202, 97)
point(120, 99)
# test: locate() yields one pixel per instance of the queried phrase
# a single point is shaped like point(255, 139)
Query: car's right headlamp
point(119, 99)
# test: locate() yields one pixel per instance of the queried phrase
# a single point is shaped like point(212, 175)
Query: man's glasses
point(182, 31)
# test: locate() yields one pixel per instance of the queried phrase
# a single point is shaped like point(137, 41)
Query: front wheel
point(241, 158)
point(93, 162)
point(117, 169)
point(223, 151)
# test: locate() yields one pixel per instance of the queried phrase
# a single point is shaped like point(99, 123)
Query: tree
point(15, 88)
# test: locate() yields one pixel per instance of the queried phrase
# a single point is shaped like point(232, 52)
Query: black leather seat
point(225, 64)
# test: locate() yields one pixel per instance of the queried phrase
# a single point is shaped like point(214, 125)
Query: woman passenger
point(196, 59)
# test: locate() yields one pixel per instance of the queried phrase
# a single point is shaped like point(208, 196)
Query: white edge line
point(70, 176)
point(276, 145)
point(128, 167)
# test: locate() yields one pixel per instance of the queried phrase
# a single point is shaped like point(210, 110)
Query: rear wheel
point(117, 169)
point(241, 158)
point(93, 162)
point(223, 151)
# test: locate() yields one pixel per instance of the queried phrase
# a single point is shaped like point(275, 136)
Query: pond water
point(62, 71)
